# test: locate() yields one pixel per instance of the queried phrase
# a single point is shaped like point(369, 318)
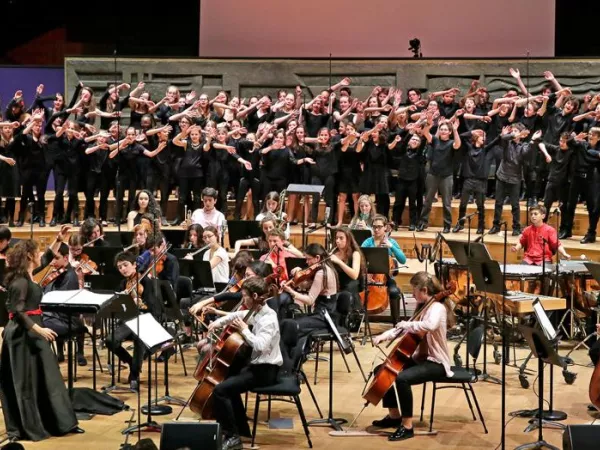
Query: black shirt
point(191, 163)
point(513, 156)
point(561, 162)
point(441, 156)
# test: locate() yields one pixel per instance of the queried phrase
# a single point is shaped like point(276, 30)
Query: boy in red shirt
point(539, 240)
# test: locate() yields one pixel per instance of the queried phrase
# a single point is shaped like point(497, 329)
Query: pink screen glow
point(376, 28)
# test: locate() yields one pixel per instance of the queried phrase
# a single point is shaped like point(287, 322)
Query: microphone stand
point(117, 182)
point(504, 340)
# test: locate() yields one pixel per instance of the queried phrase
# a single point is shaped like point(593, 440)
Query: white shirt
point(220, 272)
point(264, 337)
point(213, 218)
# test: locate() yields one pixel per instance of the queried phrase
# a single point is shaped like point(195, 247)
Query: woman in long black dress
point(35, 401)
point(9, 172)
point(374, 178)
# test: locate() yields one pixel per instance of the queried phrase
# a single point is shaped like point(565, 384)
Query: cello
point(401, 354)
point(378, 298)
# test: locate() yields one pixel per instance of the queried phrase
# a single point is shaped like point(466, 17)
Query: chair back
point(184, 288)
point(474, 341)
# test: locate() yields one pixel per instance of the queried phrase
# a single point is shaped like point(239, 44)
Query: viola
point(301, 276)
point(401, 354)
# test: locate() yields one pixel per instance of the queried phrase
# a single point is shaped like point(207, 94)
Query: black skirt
point(35, 400)
point(9, 180)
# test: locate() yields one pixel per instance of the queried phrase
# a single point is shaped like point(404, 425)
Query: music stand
point(242, 229)
point(154, 337)
point(199, 272)
point(544, 350)
point(175, 237)
point(377, 261)
point(361, 235)
point(304, 190)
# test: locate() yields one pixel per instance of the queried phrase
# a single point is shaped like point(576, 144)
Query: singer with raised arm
point(35, 400)
point(539, 240)
point(380, 238)
point(430, 361)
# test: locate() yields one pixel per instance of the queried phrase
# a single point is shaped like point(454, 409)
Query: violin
point(52, 275)
point(135, 288)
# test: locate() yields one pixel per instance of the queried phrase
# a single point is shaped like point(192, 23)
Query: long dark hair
point(315, 250)
point(351, 247)
point(153, 206)
point(18, 258)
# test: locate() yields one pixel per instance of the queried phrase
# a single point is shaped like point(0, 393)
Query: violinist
point(265, 360)
point(147, 301)
point(322, 294)
point(381, 239)
point(92, 233)
point(80, 261)
point(349, 263)
point(167, 266)
point(280, 250)
point(62, 277)
point(431, 360)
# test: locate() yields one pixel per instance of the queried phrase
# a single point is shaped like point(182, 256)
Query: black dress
point(35, 401)
point(9, 175)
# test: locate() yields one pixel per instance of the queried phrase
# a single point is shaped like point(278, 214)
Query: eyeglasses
point(378, 227)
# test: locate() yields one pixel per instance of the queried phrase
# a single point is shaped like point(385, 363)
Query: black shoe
point(564, 234)
point(591, 407)
point(494, 230)
point(411, 228)
point(420, 227)
point(588, 239)
point(480, 230)
point(77, 430)
point(166, 354)
point(60, 358)
point(387, 422)
point(163, 222)
point(42, 222)
point(76, 222)
point(233, 443)
point(401, 434)
point(53, 222)
point(446, 229)
point(458, 227)
point(81, 361)
point(516, 231)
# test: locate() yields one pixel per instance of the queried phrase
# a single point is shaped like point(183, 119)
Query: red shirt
point(534, 245)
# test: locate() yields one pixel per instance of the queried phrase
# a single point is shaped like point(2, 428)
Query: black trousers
point(60, 325)
point(160, 180)
point(189, 187)
point(382, 203)
point(131, 185)
point(245, 185)
point(394, 294)
point(512, 190)
point(114, 344)
point(60, 183)
point(594, 352)
point(477, 188)
point(227, 400)
point(96, 181)
point(29, 180)
point(406, 189)
point(417, 373)
point(328, 195)
point(272, 184)
point(557, 191)
point(582, 184)
point(73, 190)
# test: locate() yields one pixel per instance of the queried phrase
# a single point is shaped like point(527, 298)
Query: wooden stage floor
point(453, 422)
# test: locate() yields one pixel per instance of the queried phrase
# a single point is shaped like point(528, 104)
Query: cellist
point(430, 361)
point(381, 239)
point(264, 362)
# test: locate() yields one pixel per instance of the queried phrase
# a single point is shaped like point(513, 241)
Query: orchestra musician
point(62, 277)
point(380, 238)
point(349, 264)
point(35, 401)
point(5, 237)
point(363, 219)
point(147, 301)
point(216, 255)
point(167, 267)
point(322, 294)
point(280, 250)
point(193, 236)
point(265, 360)
point(92, 232)
point(431, 360)
point(267, 223)
point(539, 240)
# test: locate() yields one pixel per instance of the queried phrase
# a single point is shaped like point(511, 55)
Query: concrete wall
point(247, 77)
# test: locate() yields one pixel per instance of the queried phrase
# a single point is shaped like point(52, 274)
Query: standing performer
point(35, 401)
point(430, 361)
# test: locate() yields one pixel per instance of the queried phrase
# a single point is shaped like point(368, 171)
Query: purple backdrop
point(27, 79)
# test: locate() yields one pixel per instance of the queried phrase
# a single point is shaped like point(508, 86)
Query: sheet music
point(150, 331)
point(76, 297)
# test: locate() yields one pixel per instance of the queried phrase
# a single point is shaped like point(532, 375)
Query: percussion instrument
point(520, 303)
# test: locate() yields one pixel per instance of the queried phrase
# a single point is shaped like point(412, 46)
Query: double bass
point(401, 354)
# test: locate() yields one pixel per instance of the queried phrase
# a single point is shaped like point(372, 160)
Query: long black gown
point(35, 400)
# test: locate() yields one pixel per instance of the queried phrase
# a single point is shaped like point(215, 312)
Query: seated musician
point(193, 236)
point(156, 245)
point(365, 213)
point(216, 255)
point(5, 237)
point(280, 250)
point(267, 223)
point(349, 264)
point(140, 235)
point(126, 264)
point(80, 261)
point(91, 230)
point(380, 239)
point(265, 360)
point(539, 240)
point(62, 277)
point(431, 360)
point(322, 294)
point(208, 215)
